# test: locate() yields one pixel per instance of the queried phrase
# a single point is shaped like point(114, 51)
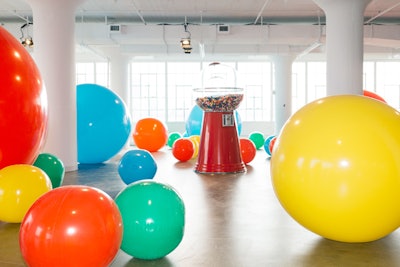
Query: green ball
point(257, 138)
point(172, 138)
point(52, 166)
point(153, 215)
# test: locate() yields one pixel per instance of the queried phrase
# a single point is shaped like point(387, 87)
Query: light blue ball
point(103, 123)
point(194, 121)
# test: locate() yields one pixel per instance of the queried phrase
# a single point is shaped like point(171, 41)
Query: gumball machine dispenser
point(218, 97)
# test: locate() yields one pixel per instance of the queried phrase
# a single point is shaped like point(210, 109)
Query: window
point(148, 91)
point(164, 90)
point(256, 79)
point(388, 82)
point(316, 80)
point(85, 73)
point(299, 85)
point(92, 72)
point(182, 78)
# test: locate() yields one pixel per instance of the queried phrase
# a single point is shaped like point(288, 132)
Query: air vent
point(115, 28)
point(223, 29)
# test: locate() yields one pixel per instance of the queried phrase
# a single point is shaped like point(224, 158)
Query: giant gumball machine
point(218, 97)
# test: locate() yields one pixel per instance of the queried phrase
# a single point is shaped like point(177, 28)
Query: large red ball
point(71, 226)
point(23, 104)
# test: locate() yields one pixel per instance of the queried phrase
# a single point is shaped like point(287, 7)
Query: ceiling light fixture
point(186, 42)
point(26, 38)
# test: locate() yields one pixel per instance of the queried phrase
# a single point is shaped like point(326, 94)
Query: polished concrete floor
point(231, 220)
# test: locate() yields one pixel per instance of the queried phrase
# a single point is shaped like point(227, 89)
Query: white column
point(119, 68)
point(344, 45)
point(283, 89)
point(119, 78)
point(54, 52)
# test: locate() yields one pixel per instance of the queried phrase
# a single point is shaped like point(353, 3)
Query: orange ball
point(150, 134)
point(183, 149)
point(248, 150)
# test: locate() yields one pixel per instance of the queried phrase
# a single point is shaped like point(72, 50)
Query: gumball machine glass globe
point(218, 92)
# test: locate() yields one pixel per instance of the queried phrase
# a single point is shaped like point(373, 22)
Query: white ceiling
point(155, 26)
point(203, 11)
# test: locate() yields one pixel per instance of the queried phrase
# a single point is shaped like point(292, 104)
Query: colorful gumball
point(183, 149)
point(329, 179)
point(52, 166)
point(23, 104)
point(71, 226)
point(248, 150)
point(137, 164)
point(150, 134)
point(153, 215)
point(20, 186)
point(172, 137)
point(257, 138)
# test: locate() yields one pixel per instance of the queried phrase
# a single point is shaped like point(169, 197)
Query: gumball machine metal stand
point(219, 149)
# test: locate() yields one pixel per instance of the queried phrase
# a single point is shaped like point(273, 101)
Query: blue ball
point(194, 121)
point(103, 123)
point(135, 165)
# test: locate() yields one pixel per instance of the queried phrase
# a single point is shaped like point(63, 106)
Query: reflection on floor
point(231, 220)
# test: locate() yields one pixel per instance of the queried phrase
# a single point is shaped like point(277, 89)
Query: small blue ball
point(135, 165)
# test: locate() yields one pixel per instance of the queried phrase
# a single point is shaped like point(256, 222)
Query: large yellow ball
point(335, 168)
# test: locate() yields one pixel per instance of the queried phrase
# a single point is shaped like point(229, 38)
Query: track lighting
point(185, 42)
point(26, 38)
point(27, 42)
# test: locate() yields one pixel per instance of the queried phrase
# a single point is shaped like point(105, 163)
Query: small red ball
point(183, 149)
point(271, 144)
point(247, 149)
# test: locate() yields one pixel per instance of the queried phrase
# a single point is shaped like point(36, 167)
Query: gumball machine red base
point(219, 149)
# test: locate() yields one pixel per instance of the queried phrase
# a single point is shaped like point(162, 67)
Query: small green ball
point(172, 138)
point(52, 166)
point(257, 138)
